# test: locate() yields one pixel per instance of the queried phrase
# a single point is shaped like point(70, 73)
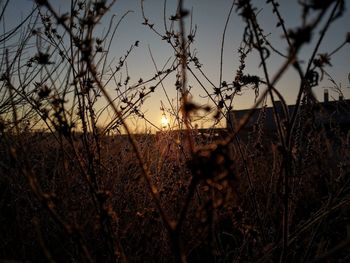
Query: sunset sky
point(209, 16)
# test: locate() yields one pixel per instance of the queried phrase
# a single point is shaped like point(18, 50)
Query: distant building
point(327, 114)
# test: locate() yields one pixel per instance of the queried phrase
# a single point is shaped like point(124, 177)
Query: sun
point(164, 121)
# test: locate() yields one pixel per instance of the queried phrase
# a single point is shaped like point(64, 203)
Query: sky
point(209, 17)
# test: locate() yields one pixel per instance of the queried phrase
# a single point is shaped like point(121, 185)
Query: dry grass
point(244, 196)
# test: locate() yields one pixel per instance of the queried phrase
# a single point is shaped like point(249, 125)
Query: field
point(52, 209)
point(77, 184)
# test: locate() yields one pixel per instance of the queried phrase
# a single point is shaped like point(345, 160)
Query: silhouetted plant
point(73, 189)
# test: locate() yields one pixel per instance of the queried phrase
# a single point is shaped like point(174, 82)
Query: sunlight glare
point(164, 121)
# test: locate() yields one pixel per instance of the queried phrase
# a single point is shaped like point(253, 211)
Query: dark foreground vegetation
point(54, 208)
point(72, 190)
